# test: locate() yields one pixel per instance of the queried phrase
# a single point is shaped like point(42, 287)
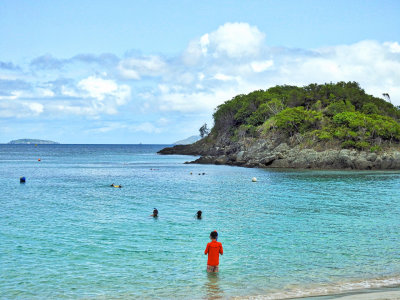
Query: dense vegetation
point(340, 114)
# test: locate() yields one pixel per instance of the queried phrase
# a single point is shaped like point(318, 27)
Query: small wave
point(327, 289)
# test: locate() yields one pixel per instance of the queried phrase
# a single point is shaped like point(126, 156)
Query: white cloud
point(45, 92)
point(91, 97)
point(374, 65)
point(204, 43)
point(20, 109)
point(135, 68)
point(223, 77)
point(393, 47)
point(100, 89)
point(35, 107)
point(97, 87)
point(231, 60)
point(236, 40)
point(13, 95)
point(231, 40)
point(102, 96)
point(261, 66)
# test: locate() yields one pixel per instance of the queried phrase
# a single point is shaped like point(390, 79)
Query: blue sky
point(153, 71)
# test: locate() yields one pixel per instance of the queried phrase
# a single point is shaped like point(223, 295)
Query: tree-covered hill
point(328, 126)
point(331, 115)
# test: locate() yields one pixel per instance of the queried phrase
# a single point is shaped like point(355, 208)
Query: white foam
point(328, 289)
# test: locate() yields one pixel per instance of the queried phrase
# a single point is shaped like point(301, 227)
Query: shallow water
point(67, 234)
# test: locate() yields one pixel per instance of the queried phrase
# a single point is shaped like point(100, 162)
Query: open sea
point(66, 234)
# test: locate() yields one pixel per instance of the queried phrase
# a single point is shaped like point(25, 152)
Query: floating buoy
point(39, 159)
point(22, 180)
point(254, 179)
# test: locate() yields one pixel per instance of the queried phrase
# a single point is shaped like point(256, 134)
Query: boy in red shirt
point(213, 249)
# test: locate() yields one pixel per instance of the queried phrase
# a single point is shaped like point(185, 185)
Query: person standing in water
point(213, 249)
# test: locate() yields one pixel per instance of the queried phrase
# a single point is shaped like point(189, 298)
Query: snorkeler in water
point(155, 213)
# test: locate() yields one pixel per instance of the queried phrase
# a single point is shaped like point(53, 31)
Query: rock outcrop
point(267, 154)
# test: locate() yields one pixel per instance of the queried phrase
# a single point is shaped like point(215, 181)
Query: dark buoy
point(22, 180)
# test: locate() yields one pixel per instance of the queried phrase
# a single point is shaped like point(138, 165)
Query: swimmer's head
point(199, 214)
point(155, 212)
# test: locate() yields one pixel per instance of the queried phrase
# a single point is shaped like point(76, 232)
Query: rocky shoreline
point(266, 154)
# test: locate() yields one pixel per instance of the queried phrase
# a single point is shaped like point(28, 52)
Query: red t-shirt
point(213, 249)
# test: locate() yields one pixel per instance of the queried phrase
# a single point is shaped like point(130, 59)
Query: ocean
point(66, 234)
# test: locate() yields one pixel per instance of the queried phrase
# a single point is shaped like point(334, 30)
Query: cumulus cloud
point(20, 109)
point(136, 68)
point(394, 47)
point(261, 66)
point(233, 59)
point(234, 40)
point(99, 89)
point(94, 95)
point(90, 96)
point(376, 66)
point(231, 40)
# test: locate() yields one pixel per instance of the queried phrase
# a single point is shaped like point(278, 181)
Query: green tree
point(297, 119)
point(370, 108)
point(339, 107)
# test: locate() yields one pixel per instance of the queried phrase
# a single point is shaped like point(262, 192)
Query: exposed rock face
point(265, 153)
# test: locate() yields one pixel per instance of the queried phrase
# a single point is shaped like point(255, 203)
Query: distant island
point(190, 140)
point(32, 141)
point(318, 126)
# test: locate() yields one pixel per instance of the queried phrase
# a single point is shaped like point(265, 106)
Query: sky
point(128, 72)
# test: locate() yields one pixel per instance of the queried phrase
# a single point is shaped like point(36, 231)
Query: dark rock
point(272, 154)
point(221, 160)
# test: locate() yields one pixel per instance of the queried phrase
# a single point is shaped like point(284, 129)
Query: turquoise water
point(67, 234)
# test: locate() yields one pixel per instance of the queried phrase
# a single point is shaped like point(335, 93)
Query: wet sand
point(392, 295)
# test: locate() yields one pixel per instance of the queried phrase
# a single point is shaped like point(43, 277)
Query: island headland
point(32, 141)
point(328, 126)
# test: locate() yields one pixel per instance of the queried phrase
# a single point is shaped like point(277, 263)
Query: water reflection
point(212, 287)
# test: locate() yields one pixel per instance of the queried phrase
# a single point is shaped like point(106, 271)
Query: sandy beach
point(329, 293)
point(390, 295)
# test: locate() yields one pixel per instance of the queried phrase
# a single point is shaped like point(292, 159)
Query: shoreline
point(384, 293)
point(370, 289)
